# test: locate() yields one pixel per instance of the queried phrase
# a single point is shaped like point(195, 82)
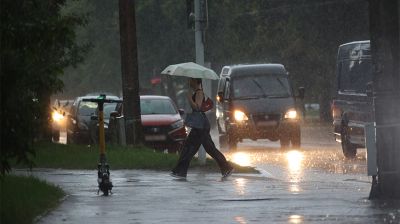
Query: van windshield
point(260, 86)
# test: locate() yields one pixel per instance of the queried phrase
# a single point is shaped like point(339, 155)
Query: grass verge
point(24, 198)
point(50, 155)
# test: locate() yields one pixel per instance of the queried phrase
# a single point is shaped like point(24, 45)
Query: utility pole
point(200, 25)
point(130, 74)
point(385, 46)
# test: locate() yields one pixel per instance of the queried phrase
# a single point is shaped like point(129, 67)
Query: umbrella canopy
point(191, 70)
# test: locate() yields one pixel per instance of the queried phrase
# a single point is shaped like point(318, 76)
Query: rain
point(305, 93)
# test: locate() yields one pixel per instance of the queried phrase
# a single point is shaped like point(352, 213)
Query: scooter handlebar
point(102, 100)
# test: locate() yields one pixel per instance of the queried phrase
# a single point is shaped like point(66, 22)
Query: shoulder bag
point(207, 104)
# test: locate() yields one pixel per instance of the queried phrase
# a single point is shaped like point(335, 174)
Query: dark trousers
point(192, 144)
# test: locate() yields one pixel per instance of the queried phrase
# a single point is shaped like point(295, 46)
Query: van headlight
point(240, 116)
point(291, 114)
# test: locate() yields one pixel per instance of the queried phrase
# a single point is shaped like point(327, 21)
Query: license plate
point(155, 137)
point(267, 123)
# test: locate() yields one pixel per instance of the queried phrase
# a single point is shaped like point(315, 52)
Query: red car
point(163, 126)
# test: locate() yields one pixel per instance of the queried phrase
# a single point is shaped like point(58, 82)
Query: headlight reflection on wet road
point(295, 219)
point(241, 158)
point(240, 185)
point(240, 220)
point(295, 169)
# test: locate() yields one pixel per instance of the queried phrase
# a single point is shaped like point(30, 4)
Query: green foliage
point(162, 40)
point(37, 43)
point(24, 198)
point(101, 70)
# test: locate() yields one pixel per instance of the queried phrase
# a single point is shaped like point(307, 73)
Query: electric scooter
point(103, 169)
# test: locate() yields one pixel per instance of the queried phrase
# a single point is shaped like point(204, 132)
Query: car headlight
point(177, 124)
point(240, 116)
point(57, 117)
point(291, 114)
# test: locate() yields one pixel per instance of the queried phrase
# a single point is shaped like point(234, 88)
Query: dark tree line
point(301, 34)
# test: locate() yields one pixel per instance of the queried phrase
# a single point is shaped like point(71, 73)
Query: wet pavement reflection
point(153, 197)
point(240, 185)
point(310, 184)
point(295, 219)
point(327, 159)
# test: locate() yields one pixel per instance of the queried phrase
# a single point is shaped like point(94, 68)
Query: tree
point(37, 43)
point(100, 72)
point(129, 68)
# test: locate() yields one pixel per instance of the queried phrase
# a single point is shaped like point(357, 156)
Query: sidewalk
point(154, 197)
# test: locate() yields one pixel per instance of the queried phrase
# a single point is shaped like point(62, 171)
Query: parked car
point(82, 125)
point(108, 110)
point(162, 122)
point(352, 105)
point(59, 111)
point(257, 102)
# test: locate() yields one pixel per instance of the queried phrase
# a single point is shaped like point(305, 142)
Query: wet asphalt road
point(313, 184)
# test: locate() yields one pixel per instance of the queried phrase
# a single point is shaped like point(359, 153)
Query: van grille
point(266, 117)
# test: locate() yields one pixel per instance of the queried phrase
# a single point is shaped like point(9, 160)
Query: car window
point(349, 51)
point(260, 85)
point(87, 108)
point(108, 108)
point(355, 75)
point(157, 106)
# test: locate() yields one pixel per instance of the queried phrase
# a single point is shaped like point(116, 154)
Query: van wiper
point(260, 87)
point(247, 97)
point(283, 85)
point(278, 96)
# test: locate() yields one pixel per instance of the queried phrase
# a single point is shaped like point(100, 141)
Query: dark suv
point(257, 102)
point(82, 124)
point(352, 106)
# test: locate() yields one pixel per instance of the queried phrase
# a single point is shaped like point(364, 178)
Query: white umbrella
point(191, 70)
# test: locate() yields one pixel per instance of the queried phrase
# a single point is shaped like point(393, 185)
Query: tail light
point(336, 111)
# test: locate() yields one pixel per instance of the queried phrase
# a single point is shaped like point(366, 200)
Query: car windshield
point(260, 86)
point(157, 106)
point(87, 108)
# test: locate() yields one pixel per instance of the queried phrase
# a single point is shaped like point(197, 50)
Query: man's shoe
point(181, 177)
point(228, 172)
